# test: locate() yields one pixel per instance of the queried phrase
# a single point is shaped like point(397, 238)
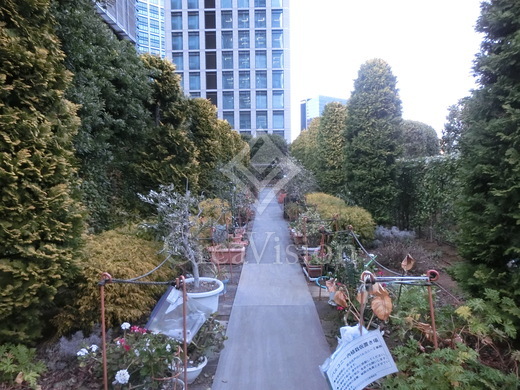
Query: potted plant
point(137, 359)
point(179, 225)
point(227, 253)
point(209, 339)
point(314, 264)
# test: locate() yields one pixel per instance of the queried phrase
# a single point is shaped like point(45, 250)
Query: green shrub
point(445, 368)
point(123, 255)
point(18, 365)
point(328, 207)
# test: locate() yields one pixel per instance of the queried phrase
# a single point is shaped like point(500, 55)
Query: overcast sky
point(429, 44)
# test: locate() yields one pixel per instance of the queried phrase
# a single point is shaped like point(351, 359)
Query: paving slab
point(275, 339)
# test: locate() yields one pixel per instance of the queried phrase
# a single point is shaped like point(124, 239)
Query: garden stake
point(184, 326)
point(433, 275)
point(105, 278)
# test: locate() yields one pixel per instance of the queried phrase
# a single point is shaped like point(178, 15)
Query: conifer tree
point(40, 216)
point(168, 155)
point(331, 149)
point(111, 85)
point(419, 140)
point(490, 144)
point(372, 140)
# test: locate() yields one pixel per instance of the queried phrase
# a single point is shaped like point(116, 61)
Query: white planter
point(210, 298)
point(173, 384)
point(194, 372)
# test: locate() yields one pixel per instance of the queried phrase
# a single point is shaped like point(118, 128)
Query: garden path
point(275, 339)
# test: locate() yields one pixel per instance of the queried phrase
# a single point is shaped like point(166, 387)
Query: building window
point(210, 20)
point(228, 101)
point(261, 59)
point(209, 3)
point(195, 94)
point(211, 60)
point(226, 19)
point(227, 60)
point(244, 99)
point(260, 19)
point(178, 61)
point(276, 3)
point(212, 97)
point(193, 4)
point(194, 81)
point(278, 79)
point(194, 61)
point(245, 120)
point(193, 41)
point(227, 39)
point(260, 39)
point(154, 11)
point(278, 120)
point(281, 133)
point(176, 4)
point(227, 80)
point(261, 79)
point(211, 80)
point(177, 21)
point(261, 119)
point(230, 117)
point(193, 20)
point(176, 41)
point(244, 80)
point(226, 3)
point(154, 26)
point(277, 59)
point(277, 18)
point(243, 19)
point(243, 60)
point(260, 3)
point(243, 39)
point(278, 99)
point(211, 40)
point(277, 39)
point(243, 3)
point(261, 99)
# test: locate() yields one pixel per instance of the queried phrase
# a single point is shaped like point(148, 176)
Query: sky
point(430, 46)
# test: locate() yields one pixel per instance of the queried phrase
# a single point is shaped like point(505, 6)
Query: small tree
point(178, 225)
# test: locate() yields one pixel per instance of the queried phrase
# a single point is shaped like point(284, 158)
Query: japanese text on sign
point(360, 362)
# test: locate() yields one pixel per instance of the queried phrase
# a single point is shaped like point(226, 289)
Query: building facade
point(313, 107)
point(236, 54)
point(120, 16)
point(150, 27)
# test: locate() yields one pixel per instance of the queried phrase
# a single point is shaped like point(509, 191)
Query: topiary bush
point(124, 255)
point(328, 207)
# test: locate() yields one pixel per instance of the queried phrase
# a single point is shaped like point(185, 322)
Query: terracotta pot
point(221, 255)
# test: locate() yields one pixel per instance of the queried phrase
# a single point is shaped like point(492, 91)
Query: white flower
point(137, 353)
point(122, 377)
point(168, 348)
point(94, 347)
point(125, 326)
point(82, 352)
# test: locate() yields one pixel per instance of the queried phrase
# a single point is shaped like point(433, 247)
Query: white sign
point(356, 364)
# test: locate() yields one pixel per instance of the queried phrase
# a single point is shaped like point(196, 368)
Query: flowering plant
point(138, 357)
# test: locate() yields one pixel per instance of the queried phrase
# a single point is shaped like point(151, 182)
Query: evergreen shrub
point(328, 206)
point(123, 255)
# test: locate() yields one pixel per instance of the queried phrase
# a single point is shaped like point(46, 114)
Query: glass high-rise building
point(236, 54)
point(150, 27)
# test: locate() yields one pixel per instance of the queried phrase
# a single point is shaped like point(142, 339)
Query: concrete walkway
point(275, 339)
